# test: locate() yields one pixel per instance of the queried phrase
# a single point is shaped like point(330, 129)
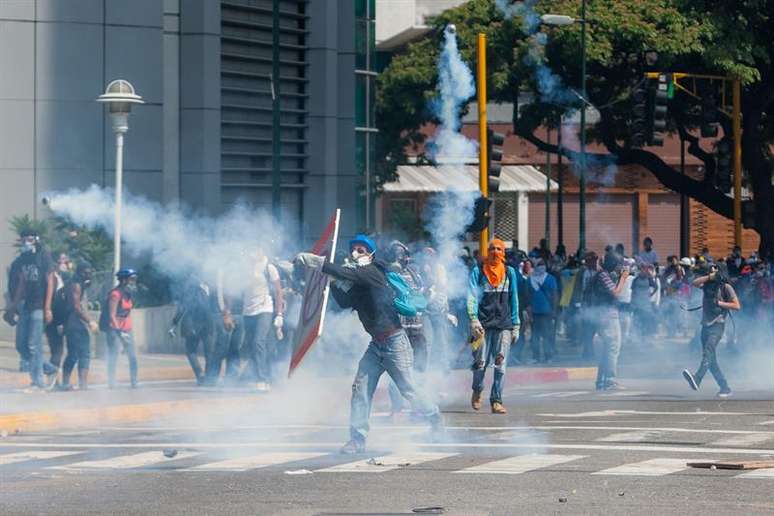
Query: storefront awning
point(522, 178)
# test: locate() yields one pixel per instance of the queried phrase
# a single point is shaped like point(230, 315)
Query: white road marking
point(137, 460)
point(625, 393)
point(607, 413)
point(631, 437)
point(744, 439)
point(520, 464)
point(758, 473)
point(648, 468)
point(386, 463)
point(262, 460)
point(560, 394)
point(13, 458)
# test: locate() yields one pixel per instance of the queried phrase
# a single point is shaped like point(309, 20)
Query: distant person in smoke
point(582, 298)
point(520, 337)
point(643, 287)
point(544, 295)
point(55, 330)
point(31, 287)
point(116, 322)
point(439, 316)
point(718, 299)
point(648, 254)
point(263, 310)
point(363, 286)
point(78, 325)
point(229, 333)
point(604, 289)
point(196, 317)
point(493, 308)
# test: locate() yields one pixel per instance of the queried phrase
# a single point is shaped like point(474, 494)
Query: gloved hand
point(171, 332)
point(452, 319)
point(476, 329)
point(9, 316)
point(279, 321)
point(310, 260)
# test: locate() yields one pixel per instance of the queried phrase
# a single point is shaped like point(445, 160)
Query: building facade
point(205, 136)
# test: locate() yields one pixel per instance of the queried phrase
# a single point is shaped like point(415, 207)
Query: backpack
point(408, 302)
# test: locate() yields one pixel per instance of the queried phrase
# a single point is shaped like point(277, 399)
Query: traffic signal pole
point(736, 119)
point(483, 182)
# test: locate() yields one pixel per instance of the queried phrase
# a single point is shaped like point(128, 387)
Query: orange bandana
point(494, 264)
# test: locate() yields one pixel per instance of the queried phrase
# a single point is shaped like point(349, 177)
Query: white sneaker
point(262, 387)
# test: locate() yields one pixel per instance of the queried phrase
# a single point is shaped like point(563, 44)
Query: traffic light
point(494, 156)
point(660, 100)
point(723, 155)
point(709, 114)
point(480, 216)
point(640, 124)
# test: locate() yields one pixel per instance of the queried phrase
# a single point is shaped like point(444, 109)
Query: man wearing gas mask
point(718, 299)
point(31, 287)
point(363, 286)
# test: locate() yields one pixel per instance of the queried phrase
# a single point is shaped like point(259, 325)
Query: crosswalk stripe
point(561, 394)
point(137, 460)
point(649, 468)
point(631, 437)
point(386, 463)
point(262, 460)
point(521, 464)
point(758, 473)
point(13, 458)
point(625, 393)
point(743, 440)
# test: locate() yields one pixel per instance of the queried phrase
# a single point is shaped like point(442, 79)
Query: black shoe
point(724, 393)
point(353, 447)
point(690, 379)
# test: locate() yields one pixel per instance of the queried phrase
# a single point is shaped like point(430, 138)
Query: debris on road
point(298, 472)
point(621, 493)
point(563, 500)
point(379, 461)
point(170, 453)
point(741, 464)
point(437, 509)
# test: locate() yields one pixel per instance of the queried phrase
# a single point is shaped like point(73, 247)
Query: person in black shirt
point(364, 287)
point(718, 299)
point(78, 324)
point(196, 316)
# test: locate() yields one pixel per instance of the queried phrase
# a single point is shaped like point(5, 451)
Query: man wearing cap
point(363, 286)
point(118, 329)
point(493, 308)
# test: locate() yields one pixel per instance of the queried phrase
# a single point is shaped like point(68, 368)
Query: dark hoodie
point(371, 296)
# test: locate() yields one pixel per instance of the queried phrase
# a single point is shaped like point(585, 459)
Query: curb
point(15, 380)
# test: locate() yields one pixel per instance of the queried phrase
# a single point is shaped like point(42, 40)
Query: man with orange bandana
point(493, 307)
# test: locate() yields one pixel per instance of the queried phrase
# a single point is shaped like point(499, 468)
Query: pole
point(684, 244)
point(275, 119)
point(737, 121)
point(582, 186)
point(560, 191)
point(117, 222)
point(548, 192)
point(483, 179)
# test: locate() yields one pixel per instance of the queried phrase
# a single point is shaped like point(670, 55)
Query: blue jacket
point(496, 307)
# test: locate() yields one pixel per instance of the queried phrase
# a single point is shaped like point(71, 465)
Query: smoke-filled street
point(563, 449)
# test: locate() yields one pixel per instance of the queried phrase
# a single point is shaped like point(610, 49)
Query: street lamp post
point(119, 96)
point(559, 20)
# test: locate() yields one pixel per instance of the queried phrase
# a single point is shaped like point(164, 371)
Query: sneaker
point(614, 386)
point(497, 408)
point(353, 447)
point(690, 379)
point(50, 381)
point(724, 393)
point(262, 387)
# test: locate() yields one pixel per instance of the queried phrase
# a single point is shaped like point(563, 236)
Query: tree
point(721, 37)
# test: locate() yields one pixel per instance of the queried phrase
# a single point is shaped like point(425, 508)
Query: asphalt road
point(562, 449)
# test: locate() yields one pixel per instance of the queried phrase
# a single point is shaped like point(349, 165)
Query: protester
point(648, 255)
point(55, 330)
point(544, 296)
point(117, 325)
point(589, 325)
point(438, 310)
point(78, 325)
point(229, 335)
point(196, 317)
point(603, 310)
point(643, 287)
point(364, 287)
point(718, 299)
point(520, 337)
point(32, 286)
point(262, 310)
point(493, 308)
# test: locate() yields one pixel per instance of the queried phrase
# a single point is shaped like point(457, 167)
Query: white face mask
point(361, 258)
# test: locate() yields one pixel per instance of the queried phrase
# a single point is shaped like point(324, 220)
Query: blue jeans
point(493, 351)
point(609, 327)
point(115, 339)
point(257, 329)
point(227, 344)
point(393, 355)
point(29, 336)
point(418, 341)
point(78, 350)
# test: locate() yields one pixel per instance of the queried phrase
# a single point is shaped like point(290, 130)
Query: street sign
point(312, 316)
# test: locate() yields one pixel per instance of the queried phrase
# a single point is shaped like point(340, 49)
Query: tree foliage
point(719, 37)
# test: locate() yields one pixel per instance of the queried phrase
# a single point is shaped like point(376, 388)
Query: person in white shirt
point(263, 307)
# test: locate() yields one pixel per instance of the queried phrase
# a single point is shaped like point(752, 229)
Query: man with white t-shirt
point(263, 307)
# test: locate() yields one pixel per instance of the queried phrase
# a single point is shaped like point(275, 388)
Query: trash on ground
point(563, 500)
point(740, 464)
point(429, 510)
point(298, 472)
point(170, 453)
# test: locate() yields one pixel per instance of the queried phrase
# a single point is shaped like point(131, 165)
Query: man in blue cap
point(364, 287)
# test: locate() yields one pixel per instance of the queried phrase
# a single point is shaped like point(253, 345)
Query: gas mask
point(28, 247)
point(361, 259)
